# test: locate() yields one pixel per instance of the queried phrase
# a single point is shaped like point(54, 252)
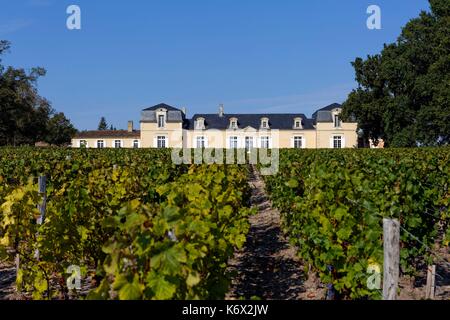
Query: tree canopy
point(403, 93)
point(103, 125)
point(26, 117)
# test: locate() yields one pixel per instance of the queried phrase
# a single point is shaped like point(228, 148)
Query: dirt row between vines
point(7, 279)
point(268, 267)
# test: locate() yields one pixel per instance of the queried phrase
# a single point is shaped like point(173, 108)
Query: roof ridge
point(248, 114)
point(162, 105)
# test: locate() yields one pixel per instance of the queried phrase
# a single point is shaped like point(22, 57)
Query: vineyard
point(141, 227)
point(333, 203)
point(138, 226)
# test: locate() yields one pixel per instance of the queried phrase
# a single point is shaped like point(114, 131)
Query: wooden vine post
point(431, 282)
point(43, 192)
point(42, 181)
point(391, 266)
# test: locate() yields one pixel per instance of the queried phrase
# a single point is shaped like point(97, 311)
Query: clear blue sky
point(251, 55)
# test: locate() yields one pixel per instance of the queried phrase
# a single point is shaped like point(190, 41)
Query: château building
point(163, 126)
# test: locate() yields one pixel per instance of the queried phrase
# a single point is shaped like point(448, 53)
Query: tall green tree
point(24, 113)
point(403, 93)
point(59, 130)
point(103, 125)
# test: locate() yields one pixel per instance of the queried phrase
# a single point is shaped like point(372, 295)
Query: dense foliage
point(26, 117)
point(139, 225)
point(333, 203)
point(143, 228)
point(403, 94)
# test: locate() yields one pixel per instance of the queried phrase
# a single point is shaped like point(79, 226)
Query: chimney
point(221, 110)
point(130, 126)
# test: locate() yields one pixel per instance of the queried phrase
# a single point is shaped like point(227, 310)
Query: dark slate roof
point(173, 114)
point(276, 121)
point(162, 105)
point(213, 121)
point(324, 114)
point(331, 107)
point(107, 134)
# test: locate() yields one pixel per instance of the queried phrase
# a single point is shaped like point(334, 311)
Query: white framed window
point(83, 144)
point(161, 142)
point(161, 121)
point(233, 142)
point(200, 142)
point(297, 123)
point(298, 142)
point(264, 124)
point(233, 123)
point(136, 144)
point(265, 142)
point(337, 121)
point(248, 143)
point(337, 142)
point(200, 123)
point(100, 144)
point(117, 144)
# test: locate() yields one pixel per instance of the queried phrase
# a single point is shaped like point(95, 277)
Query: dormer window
point(233, 123)
point(161, 117)
point(298, 123)
point(161, 121)
point(337, 121)
point(200, 123)
point(265, 123)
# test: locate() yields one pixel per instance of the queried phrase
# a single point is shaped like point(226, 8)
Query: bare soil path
point(7, 279)
point(267, 267)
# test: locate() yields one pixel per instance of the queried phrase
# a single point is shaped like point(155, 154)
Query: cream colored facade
point(163, 126)
point(172, 131)
point(276, 138)
point(326, 135)
point(107, 142)
point(129, 138)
